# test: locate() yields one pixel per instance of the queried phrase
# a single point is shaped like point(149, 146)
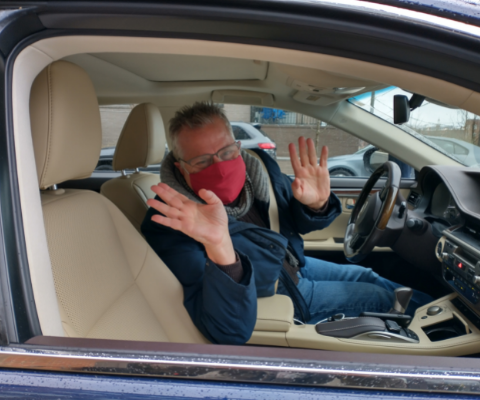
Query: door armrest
point(274, 314)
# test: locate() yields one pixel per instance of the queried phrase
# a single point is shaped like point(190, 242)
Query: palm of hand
point(312, 180)
point(311, 185)
point(206, 223)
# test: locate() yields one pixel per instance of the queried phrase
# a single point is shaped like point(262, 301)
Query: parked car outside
point(250, 136)
point(355, 165)
point(349, 164)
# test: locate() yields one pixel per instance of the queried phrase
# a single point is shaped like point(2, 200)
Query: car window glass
point(239, 133)
point(349, 156)
point(453, 131)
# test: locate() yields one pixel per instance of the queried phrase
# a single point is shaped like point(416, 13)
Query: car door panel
point(331, 238)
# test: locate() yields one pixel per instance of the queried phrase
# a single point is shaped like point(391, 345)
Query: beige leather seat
point(108, 281)
point(141, 143)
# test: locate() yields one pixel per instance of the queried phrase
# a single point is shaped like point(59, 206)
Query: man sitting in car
point(211, 228)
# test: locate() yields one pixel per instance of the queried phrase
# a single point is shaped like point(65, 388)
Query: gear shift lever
point(402, 298)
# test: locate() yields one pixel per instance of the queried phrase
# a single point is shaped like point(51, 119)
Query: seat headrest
point(142, 141)
point(65, 122)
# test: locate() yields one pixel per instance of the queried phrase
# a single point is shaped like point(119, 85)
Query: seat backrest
point(141, 143)
point(108, 282)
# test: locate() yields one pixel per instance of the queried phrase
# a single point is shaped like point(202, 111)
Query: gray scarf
point(256, 184)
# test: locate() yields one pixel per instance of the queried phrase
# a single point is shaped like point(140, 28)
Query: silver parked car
point(357, 164)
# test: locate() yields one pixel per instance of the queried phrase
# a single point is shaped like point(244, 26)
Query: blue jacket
point(223, 310)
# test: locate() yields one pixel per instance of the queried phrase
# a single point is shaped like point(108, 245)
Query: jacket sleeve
point(304, 219)
point(223, 310)
point(307, 221)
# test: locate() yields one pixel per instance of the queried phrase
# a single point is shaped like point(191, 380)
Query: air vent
point(413, 198)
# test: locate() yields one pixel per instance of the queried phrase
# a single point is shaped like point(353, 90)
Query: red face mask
point(225, 179)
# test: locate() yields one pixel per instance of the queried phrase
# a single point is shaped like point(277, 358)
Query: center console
point(458, 251)
point(449, 326)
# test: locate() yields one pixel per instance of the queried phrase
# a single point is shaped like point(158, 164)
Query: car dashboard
point(448, 198)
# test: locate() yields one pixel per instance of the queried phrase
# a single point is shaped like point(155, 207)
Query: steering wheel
point(368, 222)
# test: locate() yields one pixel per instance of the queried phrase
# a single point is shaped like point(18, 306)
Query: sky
point(428, 114)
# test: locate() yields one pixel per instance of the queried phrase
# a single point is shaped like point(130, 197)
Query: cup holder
point(449, 329)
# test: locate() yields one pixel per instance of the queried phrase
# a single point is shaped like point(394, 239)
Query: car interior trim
point(35, 57)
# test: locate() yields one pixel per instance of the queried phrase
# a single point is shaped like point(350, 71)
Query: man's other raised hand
point(205, 223)
point(311, 186)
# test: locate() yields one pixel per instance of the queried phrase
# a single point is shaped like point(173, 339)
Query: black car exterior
point(34, 365)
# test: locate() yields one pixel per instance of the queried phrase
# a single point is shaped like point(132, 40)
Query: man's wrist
point(222, 254)
point(319, 206)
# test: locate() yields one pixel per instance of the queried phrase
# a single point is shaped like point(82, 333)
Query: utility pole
point(317, 137)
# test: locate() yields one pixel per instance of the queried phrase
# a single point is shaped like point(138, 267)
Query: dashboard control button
point(401, 209)
point(415, 224)
point(434, 310)
point(392, 326)
point(411, 334)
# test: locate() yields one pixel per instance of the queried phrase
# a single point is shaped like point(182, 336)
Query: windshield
point(452, 131)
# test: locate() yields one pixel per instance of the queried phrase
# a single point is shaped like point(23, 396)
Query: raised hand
point(205, 223)
point(312, 180)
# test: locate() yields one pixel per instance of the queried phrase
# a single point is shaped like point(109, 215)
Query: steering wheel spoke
point(356, 241)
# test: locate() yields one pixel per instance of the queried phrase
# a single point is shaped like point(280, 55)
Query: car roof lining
point(177, 77)
point(185, 68)
point(112, 83)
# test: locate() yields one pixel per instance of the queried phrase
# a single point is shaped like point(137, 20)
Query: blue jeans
point(329, 289)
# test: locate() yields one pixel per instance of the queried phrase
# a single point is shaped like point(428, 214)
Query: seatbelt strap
point(272, 208)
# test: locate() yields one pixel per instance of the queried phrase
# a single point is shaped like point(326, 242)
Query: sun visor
point(242, 97)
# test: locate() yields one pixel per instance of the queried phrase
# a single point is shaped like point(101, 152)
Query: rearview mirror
point(401, 109)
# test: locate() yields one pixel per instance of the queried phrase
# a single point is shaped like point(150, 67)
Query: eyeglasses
point(226, 153)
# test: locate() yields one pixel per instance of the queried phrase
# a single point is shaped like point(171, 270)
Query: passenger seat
point(141, 143)
point(109, 283)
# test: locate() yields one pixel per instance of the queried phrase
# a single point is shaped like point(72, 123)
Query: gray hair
point(196, 116)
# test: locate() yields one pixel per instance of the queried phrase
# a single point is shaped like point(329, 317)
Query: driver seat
point(109, 283)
